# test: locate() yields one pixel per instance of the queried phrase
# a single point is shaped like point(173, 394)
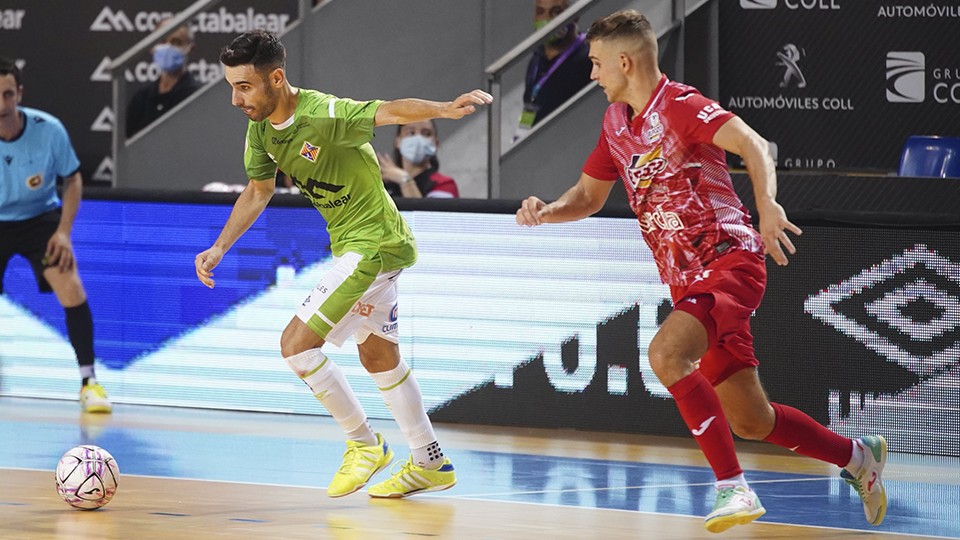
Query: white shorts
point(353, 298)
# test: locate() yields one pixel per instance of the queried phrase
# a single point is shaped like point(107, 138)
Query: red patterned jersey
point(676, 179)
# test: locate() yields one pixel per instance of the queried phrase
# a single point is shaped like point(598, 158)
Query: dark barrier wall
point(841, 83)
point(65, 48)
point(861, 331)
point(544, 327)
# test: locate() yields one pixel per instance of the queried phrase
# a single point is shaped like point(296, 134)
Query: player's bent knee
point(669, 368)
point(289, 346)
point(749, 432)
point(755, 428)
point(297, 337)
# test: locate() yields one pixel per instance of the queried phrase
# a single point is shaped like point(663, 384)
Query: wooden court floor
point(214, 474)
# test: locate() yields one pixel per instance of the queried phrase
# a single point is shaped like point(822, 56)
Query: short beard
point(270, 102)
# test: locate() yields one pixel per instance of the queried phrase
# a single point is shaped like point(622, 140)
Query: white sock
point(856, 458)
point(86, 372)
point(402, 395)
point(429, 456)
point(737, 480)
point(363, 434)
point(330, 387)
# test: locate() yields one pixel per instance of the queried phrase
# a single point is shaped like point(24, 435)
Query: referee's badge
point(35, 181)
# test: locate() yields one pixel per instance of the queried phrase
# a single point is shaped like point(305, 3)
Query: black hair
point(260, 48)
point(9, 67)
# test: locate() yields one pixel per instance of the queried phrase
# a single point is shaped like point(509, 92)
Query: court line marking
point(648, 486)
point(438, 496)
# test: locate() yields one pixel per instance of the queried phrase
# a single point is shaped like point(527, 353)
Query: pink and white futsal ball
point(87, 477)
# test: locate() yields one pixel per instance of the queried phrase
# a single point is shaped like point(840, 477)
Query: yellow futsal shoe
point(411, 479)
point(735, 505)
point(360, 463)
point(93, 399)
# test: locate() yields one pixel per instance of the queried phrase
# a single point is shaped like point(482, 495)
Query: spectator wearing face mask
point(558, 69)
point(412, 170)
point(173, 85)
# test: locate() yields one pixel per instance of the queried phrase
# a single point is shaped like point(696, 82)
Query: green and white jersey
point(325, 149)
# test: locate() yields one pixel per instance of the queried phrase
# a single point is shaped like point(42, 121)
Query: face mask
point(168, 58)
point(558, 35)
point(417, 148)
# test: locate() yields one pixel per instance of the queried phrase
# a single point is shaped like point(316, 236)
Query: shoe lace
point(724, 495)
point(856, 483)
point(401, 469)
point(96, 390)
point(350, 459)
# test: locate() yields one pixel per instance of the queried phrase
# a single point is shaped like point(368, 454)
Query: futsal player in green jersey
point(323, 143)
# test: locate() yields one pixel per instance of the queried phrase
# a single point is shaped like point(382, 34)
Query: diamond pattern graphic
point(889, 310)
point(873, 307)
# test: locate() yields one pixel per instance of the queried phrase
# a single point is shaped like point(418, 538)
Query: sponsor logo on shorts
point(706, 274)
point(392, 326)
point(363, 310)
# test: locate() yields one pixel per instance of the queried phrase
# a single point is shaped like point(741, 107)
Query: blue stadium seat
point(931, 156)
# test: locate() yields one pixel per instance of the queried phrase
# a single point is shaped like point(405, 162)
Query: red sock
point(700, 408)
point(798, 432)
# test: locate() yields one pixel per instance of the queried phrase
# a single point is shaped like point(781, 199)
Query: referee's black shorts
point(28, 238)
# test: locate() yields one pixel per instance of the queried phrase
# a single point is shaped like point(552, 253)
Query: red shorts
point(723, 301)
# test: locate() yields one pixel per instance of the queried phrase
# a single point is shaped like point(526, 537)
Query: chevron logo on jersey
point(644, 167)
point(309, 151)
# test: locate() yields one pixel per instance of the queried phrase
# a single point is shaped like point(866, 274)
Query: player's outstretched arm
point(405, 111)
point(584, 199)
point(246, 210)
point(737, 137)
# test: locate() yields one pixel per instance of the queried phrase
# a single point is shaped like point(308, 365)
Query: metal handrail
point(130, 55)
point(121, 62)
point(494, 72)
point(508, 59)
point(161, 32)
point(680, 9)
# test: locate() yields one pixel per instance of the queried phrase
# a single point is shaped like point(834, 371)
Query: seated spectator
point(173, 86)
point(412, 171)
point(558, 69)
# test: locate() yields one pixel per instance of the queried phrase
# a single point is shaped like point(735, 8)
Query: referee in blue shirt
point(34, 150)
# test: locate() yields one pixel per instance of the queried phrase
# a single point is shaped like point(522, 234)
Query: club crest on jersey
point(309, 151)
point(644, 167)
point(35, 181)
point(655, 131)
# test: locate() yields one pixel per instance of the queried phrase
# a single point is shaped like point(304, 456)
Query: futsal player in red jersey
point(667, 141)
